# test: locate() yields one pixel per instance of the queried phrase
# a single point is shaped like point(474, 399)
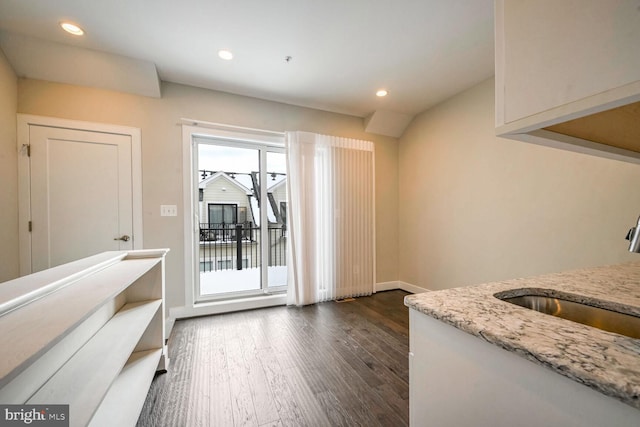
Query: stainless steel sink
point(607, 320)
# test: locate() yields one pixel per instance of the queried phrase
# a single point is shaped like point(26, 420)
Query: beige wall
point(468, 207)
point(162, 151)
point(477, 208)
point(8, 172)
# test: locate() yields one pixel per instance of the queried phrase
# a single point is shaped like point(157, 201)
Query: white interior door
point(81, 194)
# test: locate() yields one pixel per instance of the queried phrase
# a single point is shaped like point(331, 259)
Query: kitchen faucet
point(633, 236)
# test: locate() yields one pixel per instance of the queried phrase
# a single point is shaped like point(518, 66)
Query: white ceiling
point(422, 51)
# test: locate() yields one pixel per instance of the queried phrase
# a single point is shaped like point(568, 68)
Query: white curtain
point(330, 183)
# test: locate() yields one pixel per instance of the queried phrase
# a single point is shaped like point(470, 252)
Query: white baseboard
point(398, 284)
point(387, 286)
point(218, 307)
point(408, 287)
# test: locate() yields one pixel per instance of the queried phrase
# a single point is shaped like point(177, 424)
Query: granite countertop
point(604, 361)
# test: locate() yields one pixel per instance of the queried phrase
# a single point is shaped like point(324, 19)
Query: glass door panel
point(276, 182)
point(242, 206)
point(229, 210)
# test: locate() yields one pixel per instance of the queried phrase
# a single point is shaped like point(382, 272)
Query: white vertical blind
point(331, 217)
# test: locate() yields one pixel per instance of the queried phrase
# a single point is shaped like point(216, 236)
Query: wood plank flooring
point(329, 364)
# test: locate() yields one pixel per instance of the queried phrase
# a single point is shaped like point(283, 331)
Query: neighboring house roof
point(276, 183)
point(223, 175)
point(245, 180)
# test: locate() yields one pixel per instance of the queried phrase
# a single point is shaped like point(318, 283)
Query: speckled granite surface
point(604, 361)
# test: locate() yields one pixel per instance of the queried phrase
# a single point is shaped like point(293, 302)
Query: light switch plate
point(168, 210)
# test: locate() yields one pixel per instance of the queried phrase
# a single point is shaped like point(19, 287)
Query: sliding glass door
point(241, 210)
point(276, 185)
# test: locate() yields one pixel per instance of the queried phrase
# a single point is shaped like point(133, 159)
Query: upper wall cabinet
point(568, 74)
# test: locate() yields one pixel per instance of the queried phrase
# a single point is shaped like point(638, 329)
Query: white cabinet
point(457, 379)
point(89, 334)
point(557, 61)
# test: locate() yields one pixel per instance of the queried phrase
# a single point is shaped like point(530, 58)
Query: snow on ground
point(222, 281)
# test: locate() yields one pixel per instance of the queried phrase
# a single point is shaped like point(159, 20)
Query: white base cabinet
point(456, 379)
point(89, 334)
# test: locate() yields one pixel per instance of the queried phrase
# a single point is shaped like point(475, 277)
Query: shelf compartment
point(85, 379)
point(81, 299)
point(27, 382)
point(124, 400)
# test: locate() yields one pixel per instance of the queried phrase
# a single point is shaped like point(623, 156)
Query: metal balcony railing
point(237, 246)
point(227, 232)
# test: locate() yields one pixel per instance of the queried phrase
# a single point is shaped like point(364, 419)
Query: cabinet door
point(550, 53)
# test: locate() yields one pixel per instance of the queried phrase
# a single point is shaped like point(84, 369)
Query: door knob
point(124, 238)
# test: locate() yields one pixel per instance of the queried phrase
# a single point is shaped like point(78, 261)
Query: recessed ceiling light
point(72, 28)
point(381, 93)
point(225, 54)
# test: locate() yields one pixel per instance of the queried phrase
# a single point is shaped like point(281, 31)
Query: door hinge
point(30, 226)
point(26, 148)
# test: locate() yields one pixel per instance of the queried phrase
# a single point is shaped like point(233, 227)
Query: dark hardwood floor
point(329, 364)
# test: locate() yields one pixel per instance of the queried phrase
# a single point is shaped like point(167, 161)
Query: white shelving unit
point(89, 334)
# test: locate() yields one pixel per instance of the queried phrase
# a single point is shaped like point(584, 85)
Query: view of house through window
point(243, 228)
point(223, 213)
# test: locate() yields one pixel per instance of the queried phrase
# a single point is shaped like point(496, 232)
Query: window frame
point(192, 132)
point(235, 212)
